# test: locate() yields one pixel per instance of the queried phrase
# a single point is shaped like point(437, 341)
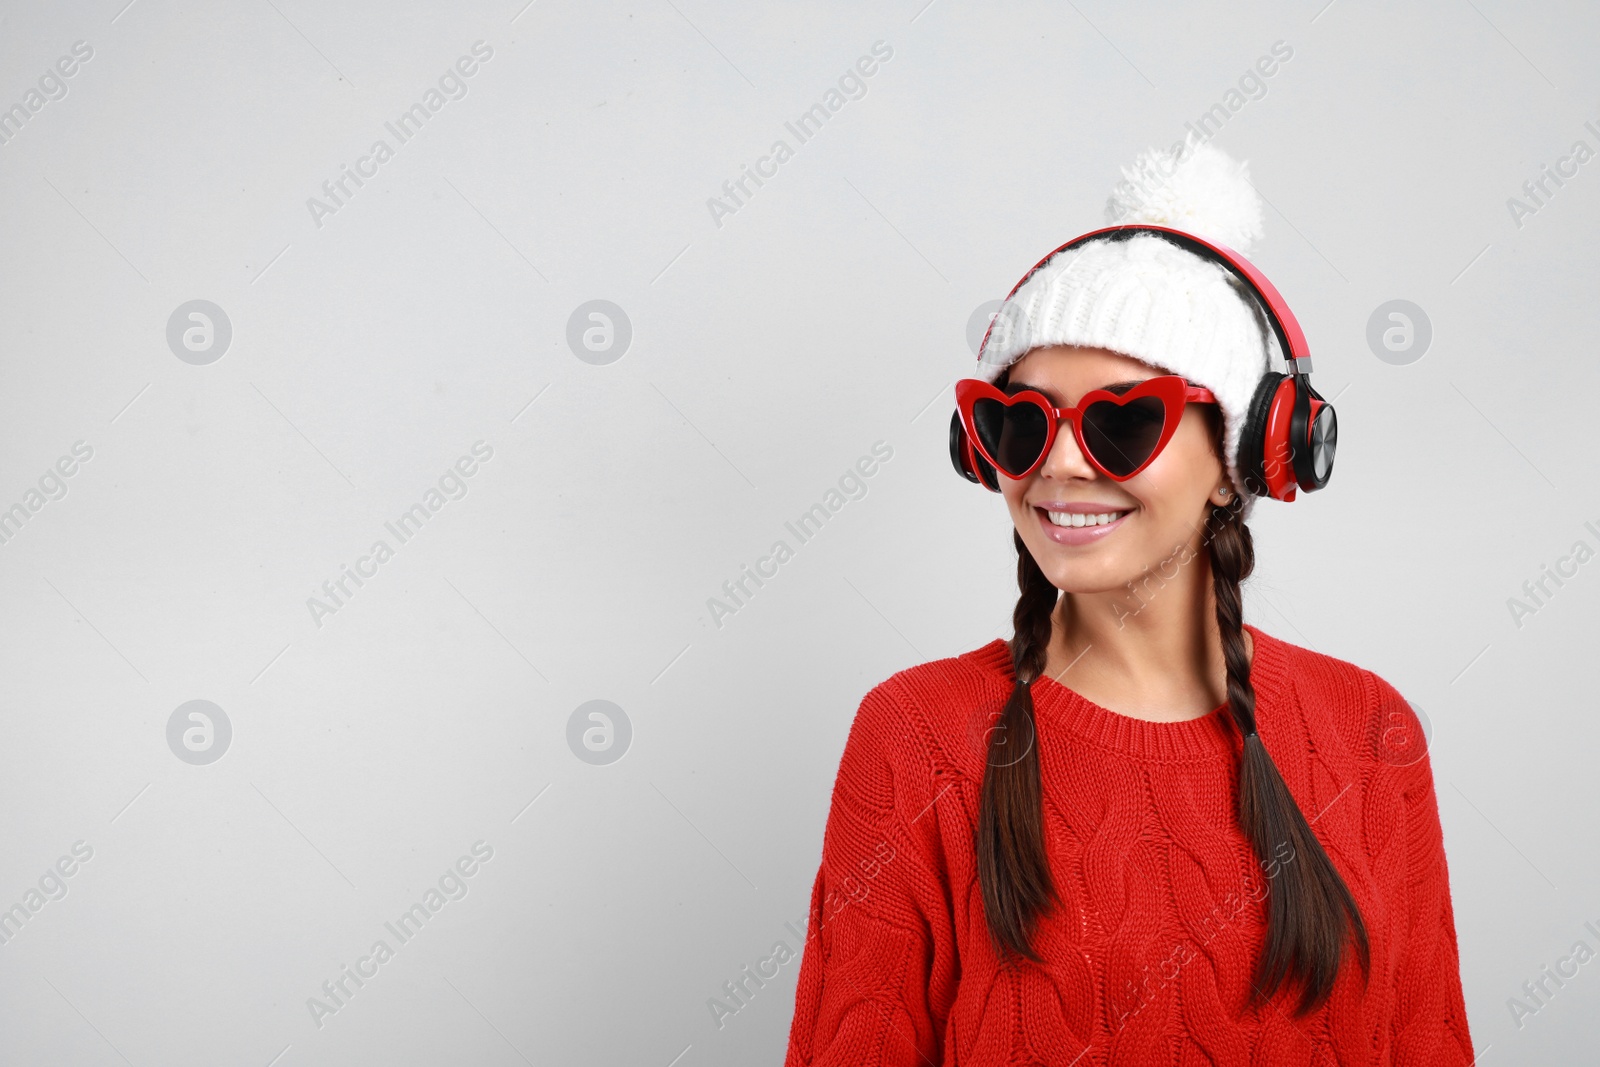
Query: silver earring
point(1223, 490)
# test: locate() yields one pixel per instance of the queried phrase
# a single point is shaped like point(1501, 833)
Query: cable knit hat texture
point(1147, 298)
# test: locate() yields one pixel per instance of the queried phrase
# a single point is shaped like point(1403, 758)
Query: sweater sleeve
point(1430, 1017)
point(878, 971)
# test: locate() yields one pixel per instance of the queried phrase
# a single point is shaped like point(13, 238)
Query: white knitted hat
point(1145, 297)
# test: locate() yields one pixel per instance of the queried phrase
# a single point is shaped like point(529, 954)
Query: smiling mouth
point(1080, 518)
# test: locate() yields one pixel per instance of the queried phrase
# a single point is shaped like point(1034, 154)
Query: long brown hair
point(1311, 913)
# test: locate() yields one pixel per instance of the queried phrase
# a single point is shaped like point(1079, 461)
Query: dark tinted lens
point(1014, 435)
point(1122, 437)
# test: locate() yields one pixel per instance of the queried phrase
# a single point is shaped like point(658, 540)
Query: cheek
point(1013, 492)
point(1185, 471)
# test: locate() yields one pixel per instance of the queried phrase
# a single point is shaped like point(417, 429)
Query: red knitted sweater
point(1150, 959)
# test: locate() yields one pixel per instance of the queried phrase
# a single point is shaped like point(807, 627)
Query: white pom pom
point(1199, 189)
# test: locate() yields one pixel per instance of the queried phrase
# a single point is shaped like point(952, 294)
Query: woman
point(1142, 831)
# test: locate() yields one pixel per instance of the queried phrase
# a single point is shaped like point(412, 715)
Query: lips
point(1079, 523)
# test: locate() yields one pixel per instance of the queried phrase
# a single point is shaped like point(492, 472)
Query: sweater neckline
point(1209, 736)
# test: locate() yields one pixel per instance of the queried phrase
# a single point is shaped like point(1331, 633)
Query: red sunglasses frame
point(1174, 391)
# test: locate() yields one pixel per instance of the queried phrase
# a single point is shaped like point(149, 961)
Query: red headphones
point(1289, 433)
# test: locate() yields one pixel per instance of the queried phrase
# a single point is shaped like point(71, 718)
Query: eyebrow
point(1013, 388)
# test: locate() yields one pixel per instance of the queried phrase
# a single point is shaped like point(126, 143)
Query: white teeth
point(1078, 518)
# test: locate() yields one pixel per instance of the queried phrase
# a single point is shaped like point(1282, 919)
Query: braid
point(1013, 872)
point(1233, 557)
point(1312, 911)
point(1033, 617)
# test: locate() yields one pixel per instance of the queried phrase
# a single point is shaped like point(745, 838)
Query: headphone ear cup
point(1321, 435)
point(958, 448)
point(986, 473)
point(968, 462)
point(1252, 435)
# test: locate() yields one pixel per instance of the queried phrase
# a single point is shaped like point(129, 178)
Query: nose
point(1066, 460)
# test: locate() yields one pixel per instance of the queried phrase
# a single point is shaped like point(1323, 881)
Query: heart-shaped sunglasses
point(1120, 432)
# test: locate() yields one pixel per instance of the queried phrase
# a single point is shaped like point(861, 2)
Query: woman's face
point(1159, 512)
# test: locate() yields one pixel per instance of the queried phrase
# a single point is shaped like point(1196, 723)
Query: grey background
point(768, 354)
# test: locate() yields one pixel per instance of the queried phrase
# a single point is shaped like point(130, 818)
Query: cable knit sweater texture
point(1149, 961)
